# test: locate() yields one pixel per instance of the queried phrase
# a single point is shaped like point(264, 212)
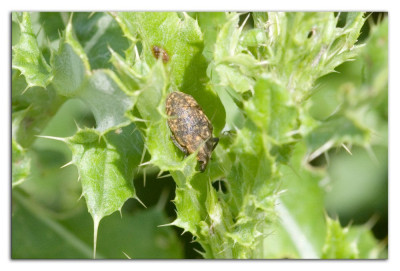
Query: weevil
point(190, 127)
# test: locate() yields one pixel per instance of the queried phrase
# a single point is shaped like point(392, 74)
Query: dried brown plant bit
point(190, 127)
point(160, 52)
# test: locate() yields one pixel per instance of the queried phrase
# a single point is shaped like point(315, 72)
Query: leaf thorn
point(80, 197)
point(137, 198)
point(347, 149)
point(166, 225)
point(139, 119)
point(126, 255)
point(142, 158)
point(145, 163)
point(320, 150)
point(67, 164)
point(27, 87)
point(164, 176)
point(52, 137)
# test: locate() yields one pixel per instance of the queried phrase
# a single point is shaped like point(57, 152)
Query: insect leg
point(183, 149)
point(215, 141)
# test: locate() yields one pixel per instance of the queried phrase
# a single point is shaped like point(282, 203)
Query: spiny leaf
point(34, 109)
point(106, 165)
point(97, 32)
point(338, 243)
point(334, 132)
point(70, 64)
point(304, 46)
point(182, 40)
point(270, 108)
point(151, 107)
point(210, 24)
point(101, 90)
point(27, 56)
point(107, 98)
point(69, 71)
point(227, 79)
point(228, 38)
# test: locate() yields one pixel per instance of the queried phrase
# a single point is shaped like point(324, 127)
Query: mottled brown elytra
point(158, 51)
point(190, 127)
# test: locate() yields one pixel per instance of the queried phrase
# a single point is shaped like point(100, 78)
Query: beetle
point(190, 127)
point(160, 52)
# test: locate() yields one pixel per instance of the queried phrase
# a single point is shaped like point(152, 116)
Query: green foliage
point(265, 82)
point(348, 243)
point(105, 165)
point(20, 163)
point(27, 57)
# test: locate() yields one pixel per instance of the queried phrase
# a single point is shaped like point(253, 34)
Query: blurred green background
point(358, 188)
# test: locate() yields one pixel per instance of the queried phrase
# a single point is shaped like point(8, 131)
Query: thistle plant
point(256, 77)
